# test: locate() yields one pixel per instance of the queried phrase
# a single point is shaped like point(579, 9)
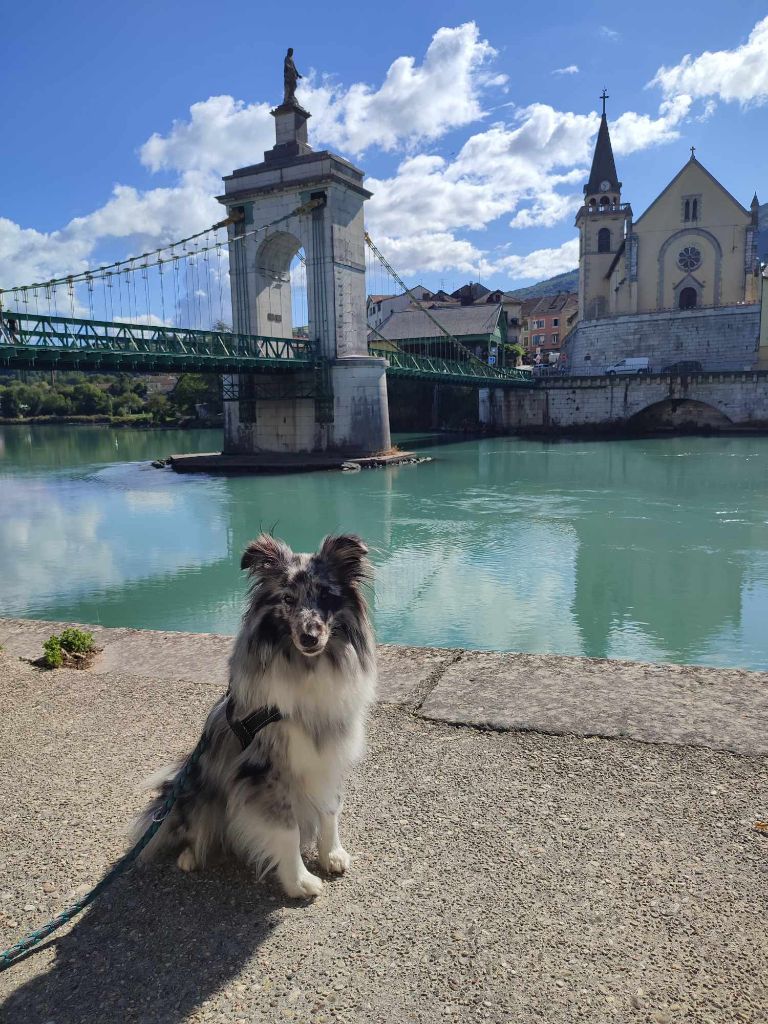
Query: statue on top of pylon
point(290, 78)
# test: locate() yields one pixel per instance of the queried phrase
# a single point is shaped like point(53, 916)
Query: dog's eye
point(289, 599)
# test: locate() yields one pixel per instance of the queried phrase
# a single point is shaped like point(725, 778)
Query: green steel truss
point(37, 342)
point(30, 341)
point(467, 373)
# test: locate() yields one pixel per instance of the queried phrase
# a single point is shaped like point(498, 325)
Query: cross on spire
point(693, 152)
point(604, 96)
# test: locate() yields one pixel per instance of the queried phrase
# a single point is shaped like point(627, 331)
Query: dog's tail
point(169, 835)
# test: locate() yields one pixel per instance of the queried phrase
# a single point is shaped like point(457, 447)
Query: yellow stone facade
point(695, 245)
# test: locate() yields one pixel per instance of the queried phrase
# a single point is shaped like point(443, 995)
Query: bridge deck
point(31, 341)
point(37, 342)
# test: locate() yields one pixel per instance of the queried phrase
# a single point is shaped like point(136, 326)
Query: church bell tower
point(603, 222)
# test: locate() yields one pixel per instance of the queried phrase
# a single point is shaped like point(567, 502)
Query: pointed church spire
point(603, 165)
point(755, 208)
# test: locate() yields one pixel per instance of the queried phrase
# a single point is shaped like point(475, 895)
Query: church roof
point(679, 174)
point(603, 164)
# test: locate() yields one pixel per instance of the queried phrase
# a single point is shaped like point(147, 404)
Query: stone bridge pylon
point(318, 198)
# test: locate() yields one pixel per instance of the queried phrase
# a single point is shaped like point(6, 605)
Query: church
point(681, 284)
point(695, 246)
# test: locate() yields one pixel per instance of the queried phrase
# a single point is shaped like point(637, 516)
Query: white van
point(640, 364)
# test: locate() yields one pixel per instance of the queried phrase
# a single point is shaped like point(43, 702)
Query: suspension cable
point(417, 302)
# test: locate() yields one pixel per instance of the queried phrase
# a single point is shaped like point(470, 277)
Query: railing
point(437, 368)
point(606, 208)
point(29, 340)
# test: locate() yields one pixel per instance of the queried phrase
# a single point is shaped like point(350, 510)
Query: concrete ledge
point(688, 705)
point(685, 705)
point(404, 673)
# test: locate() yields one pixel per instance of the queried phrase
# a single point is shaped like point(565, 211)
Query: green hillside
point(568, 282)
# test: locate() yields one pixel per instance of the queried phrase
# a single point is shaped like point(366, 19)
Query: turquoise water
point(650, 549)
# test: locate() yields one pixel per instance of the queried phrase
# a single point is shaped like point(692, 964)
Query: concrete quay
point(534, 838)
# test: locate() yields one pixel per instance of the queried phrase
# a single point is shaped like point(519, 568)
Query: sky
point(474, 123)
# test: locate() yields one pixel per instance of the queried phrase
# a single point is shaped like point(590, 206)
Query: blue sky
point(476, 148)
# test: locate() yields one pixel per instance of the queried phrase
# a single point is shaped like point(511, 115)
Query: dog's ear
point(265, 555)
point(346, 556)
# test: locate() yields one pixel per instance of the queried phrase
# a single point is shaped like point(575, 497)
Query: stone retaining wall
point(723, 338)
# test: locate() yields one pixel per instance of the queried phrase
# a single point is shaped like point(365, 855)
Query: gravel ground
point(496, 877)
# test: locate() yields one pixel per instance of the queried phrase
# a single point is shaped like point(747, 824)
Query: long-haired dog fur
point(306, 648)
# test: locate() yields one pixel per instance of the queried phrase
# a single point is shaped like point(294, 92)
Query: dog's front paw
point(305, 887)
point(186, 860)
point(336, 861)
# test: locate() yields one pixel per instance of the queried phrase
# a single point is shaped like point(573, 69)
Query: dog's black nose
point(307, 640)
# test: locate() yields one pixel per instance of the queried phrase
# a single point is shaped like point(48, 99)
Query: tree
point(9, 404)
point(159, 407)
point(55, 404)
point(88, 400)
point(127, 403)
point(193, 389)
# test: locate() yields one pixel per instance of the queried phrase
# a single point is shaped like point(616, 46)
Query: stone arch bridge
point(718, 401)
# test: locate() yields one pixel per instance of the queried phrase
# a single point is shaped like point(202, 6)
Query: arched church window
point(604, 240)
point(695, 209)
point(689, 258)
point(605, 201)
point(688, 298)
point(687, 210)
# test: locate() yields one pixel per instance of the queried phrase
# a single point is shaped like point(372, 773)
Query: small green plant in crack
point(53, 656)
point(76, 641)
point(73, 648)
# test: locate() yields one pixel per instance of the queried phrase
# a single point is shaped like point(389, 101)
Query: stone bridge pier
point(318, 198)
point(714, 401)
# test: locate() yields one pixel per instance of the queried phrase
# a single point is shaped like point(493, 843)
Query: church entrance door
point(688, 298)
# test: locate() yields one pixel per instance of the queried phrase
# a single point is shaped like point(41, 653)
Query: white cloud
point(542, 263)
point(424, 251)
point(610, 33)
point(738, 75)
point(414, 102)
point(506, 169)
point(571, 69)
point(221, 134)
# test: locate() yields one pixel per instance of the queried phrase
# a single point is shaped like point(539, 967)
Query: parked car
point(683, 366)
point(638, 364)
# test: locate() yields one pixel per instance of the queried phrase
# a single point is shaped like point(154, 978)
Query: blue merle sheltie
point(282, 740)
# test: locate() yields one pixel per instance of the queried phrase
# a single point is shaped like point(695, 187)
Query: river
point(645, 549)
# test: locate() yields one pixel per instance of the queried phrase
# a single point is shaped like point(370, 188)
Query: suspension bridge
point(122, 317)
point(272, 298)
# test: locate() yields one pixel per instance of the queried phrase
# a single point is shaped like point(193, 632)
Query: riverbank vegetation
point(119, 399)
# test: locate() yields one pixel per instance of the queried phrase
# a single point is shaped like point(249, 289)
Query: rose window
point(689, 258)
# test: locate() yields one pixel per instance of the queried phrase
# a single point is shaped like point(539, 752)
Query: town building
point(481, 328)
point(379, 307)
point(511, 305)
point(547, 321)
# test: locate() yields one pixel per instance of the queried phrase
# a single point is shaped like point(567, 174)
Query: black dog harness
point(246, 728)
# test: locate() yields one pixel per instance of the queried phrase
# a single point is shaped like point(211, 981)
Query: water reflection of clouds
point(73, 537)
point(508, 588)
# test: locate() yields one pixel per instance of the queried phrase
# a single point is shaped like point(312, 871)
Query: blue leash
point(10, 956)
